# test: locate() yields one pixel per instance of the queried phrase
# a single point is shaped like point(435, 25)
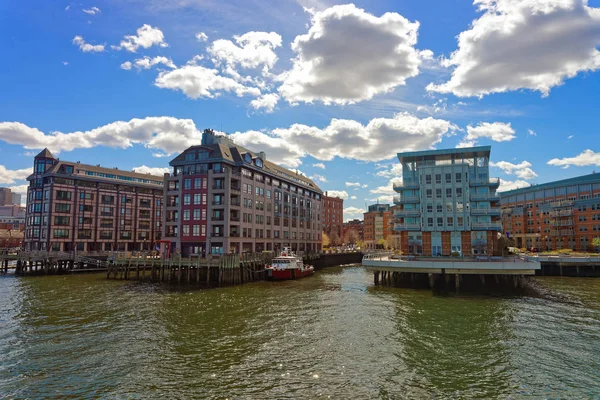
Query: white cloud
point(147, 36)
point(511, 185)
point(319, 165)
point(158, 171)
point(522, 170)
point(266, 101)
point(586, 158)
point(171, 135)
point(92, 11)
point(496, 131)
point(86, 47)
point(342, 194)
point(353, 212)
point(465, 143)
point(349, 55)
point(387, 190)
point(65, 63)
point(8, 176)
point(67, 8)
point(352, 197)
point(196, 81)
point(524, 44)
point(394, 171)
point(318, 178)
point(570, 137)
point(351, 184)
point(201, 37)
point(250, 50)
point(531, 132)
point(147, 63)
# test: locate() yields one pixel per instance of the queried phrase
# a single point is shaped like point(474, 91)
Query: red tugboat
point(288, 266)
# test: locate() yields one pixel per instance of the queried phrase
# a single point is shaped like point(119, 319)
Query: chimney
point(262, 155)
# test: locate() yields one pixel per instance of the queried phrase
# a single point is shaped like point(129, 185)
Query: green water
point(333, 335)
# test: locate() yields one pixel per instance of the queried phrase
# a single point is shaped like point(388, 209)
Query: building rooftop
point(591, 178)
point(467, 152)
point(223, 148)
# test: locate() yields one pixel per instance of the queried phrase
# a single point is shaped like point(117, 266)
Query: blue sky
point(330, 88)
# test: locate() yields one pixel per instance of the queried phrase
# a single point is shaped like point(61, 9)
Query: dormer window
point(248, 158)
point(258, 162)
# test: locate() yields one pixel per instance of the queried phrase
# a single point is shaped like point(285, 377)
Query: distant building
point(333, 216)
point(357, 226)
point(5, 197)
point(377, 224)
point(563, 214)
point(447, 202)
point(16, 199)
point(223, 198)
point(73, 206)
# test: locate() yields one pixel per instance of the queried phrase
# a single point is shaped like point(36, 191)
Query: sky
point(332, 89)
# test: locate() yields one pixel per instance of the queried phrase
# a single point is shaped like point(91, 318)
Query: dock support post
point(457, 283)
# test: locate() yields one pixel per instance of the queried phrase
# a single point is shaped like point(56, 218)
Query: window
point(449, 221)
point(439, 208)
point(186, 215)
point(196, 214)
point(187, 185)
point(430, 209)
point(61, 233)
point(197, 198)
point(430, 222)
point(196, 230)
point(185, 230)
point(428, 179)
point(438, 178)
point(440, 222)
point(197, 183)
point(438, 193)
point(62, 220)
point(448, 193)
point(429, 193)
point(459, 192)
point(186, 199)
point(62, 208)
point(460, 221)
point(448, 178)
point(63, 195)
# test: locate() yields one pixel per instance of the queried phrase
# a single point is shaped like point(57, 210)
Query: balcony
point(485, 182)
point(171, 234)
point(406, 185)
point(221, 218)
point(218, 203)
point(486, 226)
point(484, 197)
point(234, 234)
point(408, 213)
point(564, 213)
point(218, 187)
point(407, 227)
point(216, 234)
point(562, 232)
point(234, 218)
point(406, 199)
point(494, 212)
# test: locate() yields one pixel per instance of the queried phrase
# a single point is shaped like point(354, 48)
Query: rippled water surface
point(333, 335)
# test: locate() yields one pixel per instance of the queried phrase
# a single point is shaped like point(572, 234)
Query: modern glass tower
point(447, 203)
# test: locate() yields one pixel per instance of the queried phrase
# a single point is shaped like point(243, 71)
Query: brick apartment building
point(333, 216)
point(377, 225)
point(563, 214)
point(73, 206)
point(447, 202)
point(357, 226)
point(223, 198)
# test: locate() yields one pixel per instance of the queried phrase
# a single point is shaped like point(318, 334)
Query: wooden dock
point(228, 269)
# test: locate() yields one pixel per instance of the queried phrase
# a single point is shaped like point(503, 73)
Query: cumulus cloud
point(342, 194)
point(394, 171)
point(353, 212)
point(524, 44)
point(352, 197)
point(318, 178)
point(387, 190)
point(171, 135)
point(352, 184)
point(147, 63)
point(8, 176)
point(266, 101)
point(250, 50)
point(511, 185)
point(91, 11)
point(201, 37)
point(532, 132)
point(319, 165)
point(86, 47)
point(496, 131)
point(158, 171)
point(349, 55)
point(586, 158)
point(522, 170)
point(196, 81)
point(147, 36)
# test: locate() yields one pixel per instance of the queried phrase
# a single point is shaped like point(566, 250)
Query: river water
point(333, 335)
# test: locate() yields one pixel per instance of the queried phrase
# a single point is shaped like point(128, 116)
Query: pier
point(450, 274)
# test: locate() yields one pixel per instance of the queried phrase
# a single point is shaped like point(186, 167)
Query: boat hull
point(290, 273)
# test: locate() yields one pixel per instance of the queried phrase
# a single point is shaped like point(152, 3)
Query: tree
point(596, 243)
point(334, 238)
point(351, 237)
point(503, 244)
point(324, 240)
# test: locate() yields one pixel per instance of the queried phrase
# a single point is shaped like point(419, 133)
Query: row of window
point(448, 178)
